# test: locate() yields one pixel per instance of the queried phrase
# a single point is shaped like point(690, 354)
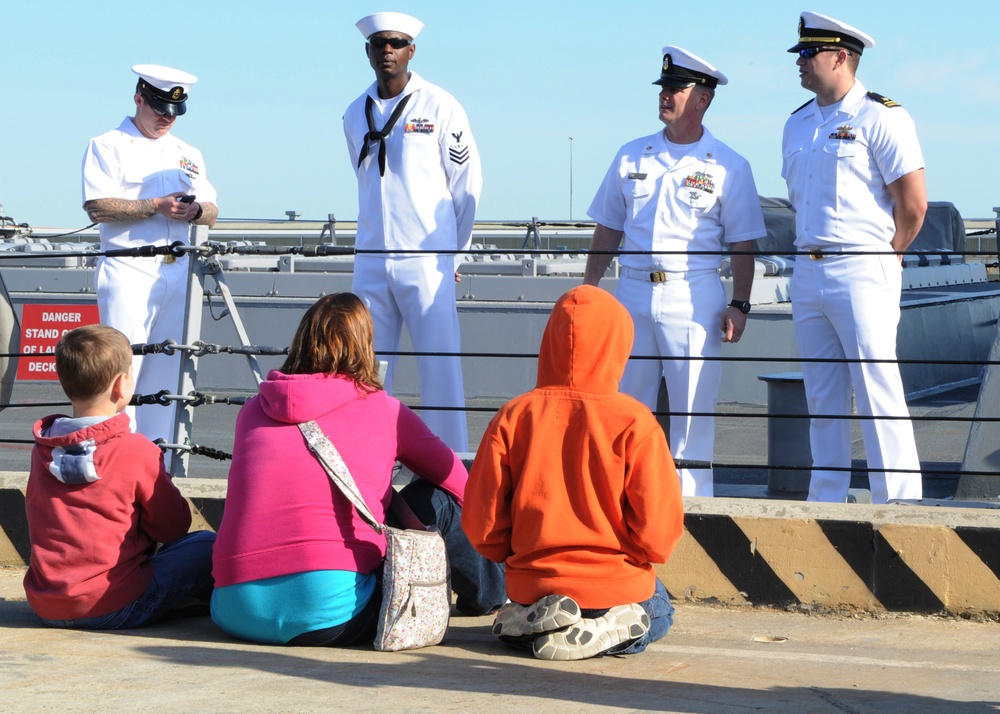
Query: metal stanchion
point(184, 424)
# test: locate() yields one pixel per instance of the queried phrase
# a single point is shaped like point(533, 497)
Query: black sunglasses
point(810, 52)
point(396, 43)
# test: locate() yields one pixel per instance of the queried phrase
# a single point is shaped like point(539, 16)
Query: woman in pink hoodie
point(294, 563)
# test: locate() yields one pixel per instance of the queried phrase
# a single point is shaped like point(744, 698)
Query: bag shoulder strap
point(333, 463)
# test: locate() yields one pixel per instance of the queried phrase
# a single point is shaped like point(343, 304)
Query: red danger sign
point(41, 328)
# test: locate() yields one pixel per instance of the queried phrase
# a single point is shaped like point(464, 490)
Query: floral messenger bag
point(416, 591)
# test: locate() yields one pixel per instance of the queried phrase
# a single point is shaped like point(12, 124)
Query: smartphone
point(186, 199)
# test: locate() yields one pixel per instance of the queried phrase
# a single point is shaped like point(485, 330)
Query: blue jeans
point(181, 569)
point(478, 583)
point(661, 617)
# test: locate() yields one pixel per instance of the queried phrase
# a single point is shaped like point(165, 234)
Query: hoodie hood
point(67, 446)
point(586, 342)
point(295, 398)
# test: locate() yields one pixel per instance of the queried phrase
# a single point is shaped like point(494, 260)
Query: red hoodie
point(92, 539)
point(573, 487)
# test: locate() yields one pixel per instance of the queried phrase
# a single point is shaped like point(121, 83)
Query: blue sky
point(275, 79)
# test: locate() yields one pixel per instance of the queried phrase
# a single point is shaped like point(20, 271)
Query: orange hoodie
point(573, 487)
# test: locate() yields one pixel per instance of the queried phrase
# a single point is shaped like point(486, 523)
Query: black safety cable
point(202, 349)
point(178, 249)
point(748, 358)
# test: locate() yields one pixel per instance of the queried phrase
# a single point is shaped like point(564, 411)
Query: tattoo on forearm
point(209, 213)
point(119, 210)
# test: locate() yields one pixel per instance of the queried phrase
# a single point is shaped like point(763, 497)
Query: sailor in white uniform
point(855, 177)
point(419, 179)
point(134, 180)
point(673, 194)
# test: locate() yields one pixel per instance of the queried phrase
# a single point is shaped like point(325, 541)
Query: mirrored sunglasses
point(810, 52)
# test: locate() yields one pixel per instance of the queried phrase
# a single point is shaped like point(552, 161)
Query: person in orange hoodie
point(574, 490)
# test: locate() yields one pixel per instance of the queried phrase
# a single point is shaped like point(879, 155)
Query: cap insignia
point(666, 63)
point(176, 93)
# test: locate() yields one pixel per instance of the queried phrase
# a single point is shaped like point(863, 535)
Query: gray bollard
point(787, 439)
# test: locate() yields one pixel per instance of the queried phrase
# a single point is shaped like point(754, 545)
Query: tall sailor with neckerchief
point(419, 179)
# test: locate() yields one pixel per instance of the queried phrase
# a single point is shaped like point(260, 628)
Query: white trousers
point(847, 306)
point(145, 298)
point(419, 291)
point(679, 318)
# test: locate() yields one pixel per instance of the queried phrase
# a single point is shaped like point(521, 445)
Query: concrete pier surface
point(714, 660)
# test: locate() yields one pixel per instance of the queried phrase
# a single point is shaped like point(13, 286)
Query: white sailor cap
point(166, 89)
point(816, 30)
point(683, 69)
point(390, 22)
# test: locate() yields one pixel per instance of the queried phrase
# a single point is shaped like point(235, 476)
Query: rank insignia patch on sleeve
point(458, 153)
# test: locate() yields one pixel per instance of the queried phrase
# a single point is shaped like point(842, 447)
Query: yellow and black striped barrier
point(857, 557)
point(896, 558)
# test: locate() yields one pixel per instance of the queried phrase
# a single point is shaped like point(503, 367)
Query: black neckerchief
point(380, 136)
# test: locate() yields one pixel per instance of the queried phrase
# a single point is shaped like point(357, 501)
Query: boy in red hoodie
point(99, 500)
point(574, 490)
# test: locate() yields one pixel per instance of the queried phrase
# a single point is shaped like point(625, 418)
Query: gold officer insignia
point(666, 63)
point(176, 93)
point(885, 101)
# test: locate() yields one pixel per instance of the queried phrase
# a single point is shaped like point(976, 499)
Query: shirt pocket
point(638, 193)
point(136, 185)
point(789, 162)
point(700, 188)
point(696, 199)
point(841, 149)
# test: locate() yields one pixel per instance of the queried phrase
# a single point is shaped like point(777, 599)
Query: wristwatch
point(741, 305)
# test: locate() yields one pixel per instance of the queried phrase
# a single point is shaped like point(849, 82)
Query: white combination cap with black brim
point(816, 30)
point(166, 89)
point(681, 69)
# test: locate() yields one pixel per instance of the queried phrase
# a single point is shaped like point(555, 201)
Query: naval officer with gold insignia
point(678, 198)
point(855, 176)
point(134, 180)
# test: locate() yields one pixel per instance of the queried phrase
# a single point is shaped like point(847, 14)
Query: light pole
point(571, 178)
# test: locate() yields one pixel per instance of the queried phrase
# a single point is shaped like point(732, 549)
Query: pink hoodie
point(282, 514)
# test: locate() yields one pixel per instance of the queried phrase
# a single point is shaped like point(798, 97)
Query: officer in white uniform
point(134, 178)
point(855, 177)
point(667, 197)
point(419, 180)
